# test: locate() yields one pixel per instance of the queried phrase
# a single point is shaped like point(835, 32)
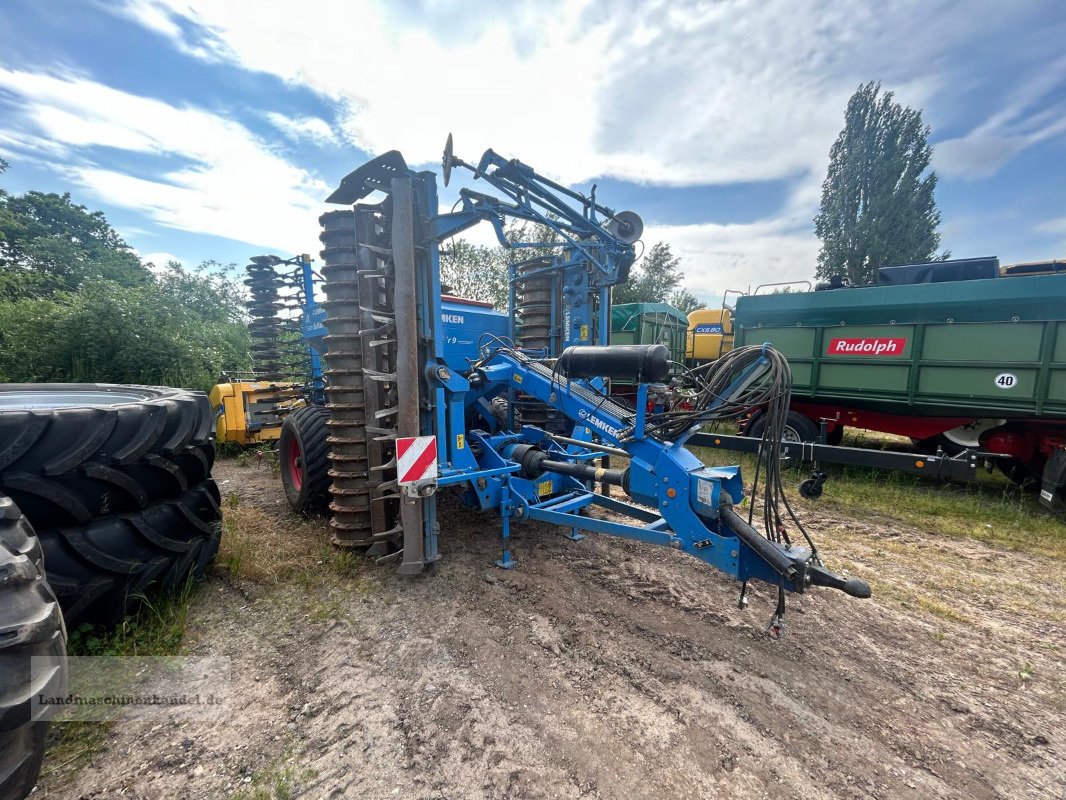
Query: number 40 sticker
point(1006, 380)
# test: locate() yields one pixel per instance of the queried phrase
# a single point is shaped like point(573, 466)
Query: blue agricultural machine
point(426, 393)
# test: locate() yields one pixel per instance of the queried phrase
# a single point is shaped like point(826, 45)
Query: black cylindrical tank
point(643, 363)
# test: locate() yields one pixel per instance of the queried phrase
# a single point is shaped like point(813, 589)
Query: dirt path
point(610, 669)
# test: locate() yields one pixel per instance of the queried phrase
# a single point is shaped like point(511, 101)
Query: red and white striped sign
point(416, 459)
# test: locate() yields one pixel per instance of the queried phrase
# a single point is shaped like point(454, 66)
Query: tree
point(181, 328)
point(686, 302)
point(476, 272)
point(657, 279)
point(49, 244)
point(480, 272)
point(878, 207)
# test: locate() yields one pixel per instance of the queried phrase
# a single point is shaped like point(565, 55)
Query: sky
point(214, 130)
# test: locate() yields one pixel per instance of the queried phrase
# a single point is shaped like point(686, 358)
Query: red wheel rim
point(292, 459)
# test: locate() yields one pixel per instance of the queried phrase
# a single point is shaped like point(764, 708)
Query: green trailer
point(650, 323)
point(974, 363)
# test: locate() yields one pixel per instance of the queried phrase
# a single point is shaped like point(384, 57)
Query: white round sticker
point(1006, 380)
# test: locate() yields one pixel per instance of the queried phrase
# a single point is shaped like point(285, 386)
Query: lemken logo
point(596, 422)
point(874, 346)
point(455, 319)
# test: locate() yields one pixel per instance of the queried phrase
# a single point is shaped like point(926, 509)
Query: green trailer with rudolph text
point(957, 357)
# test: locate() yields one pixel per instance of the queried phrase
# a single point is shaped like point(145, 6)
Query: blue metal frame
point(677, 498)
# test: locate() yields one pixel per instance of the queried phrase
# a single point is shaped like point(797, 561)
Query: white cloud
point(311, 129)
point(665, 92)
point(1054, 226)
point(650, 91)
point(718, 257)
point(1025, 121)
point(229, 183)
point(159, 260)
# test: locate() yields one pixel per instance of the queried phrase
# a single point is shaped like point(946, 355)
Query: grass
point(259, 547)
point(275, 782)
point(992, 509)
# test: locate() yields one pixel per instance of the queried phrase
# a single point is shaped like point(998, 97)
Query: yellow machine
point(710, 334)
point(251, 412)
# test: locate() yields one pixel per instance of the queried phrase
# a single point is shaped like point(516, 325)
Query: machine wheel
point(100, 571)
point(30, 625)
point(810, 489)
point(304, 455)
point(116, 480)
point(798, 428)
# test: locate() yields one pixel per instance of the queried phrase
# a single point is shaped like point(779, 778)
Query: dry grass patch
point(262, 548)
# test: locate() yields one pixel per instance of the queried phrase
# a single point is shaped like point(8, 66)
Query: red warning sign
point(416, 459)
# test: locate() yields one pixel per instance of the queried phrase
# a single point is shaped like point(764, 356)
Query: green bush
point(180, 329)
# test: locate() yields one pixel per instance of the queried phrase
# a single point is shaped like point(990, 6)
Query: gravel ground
point(610, 669)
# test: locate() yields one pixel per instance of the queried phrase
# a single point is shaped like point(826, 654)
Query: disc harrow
point(263, 283)
point(360, 367)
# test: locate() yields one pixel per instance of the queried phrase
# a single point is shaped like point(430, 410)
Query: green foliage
point(878, 207)
point(77, 304)
point(475, 271)
point(180, 328)
point(480, 272)
point(48, 244)
point(657, 279)
point(685, 302)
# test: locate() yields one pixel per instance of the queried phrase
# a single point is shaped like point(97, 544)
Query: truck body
point(980, 361)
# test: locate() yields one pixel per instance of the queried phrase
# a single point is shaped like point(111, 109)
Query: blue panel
point(465, 322)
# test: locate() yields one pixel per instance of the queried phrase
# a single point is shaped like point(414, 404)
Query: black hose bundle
point(730, 388)
point(764, 383)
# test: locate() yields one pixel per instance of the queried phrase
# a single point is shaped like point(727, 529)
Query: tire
point(92, 489)
point(798, 428)
point(304, 457)
point(30, 626)
point(100, 570)
point(116, 481)
point(53, 428)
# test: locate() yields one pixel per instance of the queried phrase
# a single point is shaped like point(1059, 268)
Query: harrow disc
point(361, 393)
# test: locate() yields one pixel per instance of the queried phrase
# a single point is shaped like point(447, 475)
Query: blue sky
point(209, 129)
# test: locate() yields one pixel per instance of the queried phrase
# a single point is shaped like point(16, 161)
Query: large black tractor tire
point(101, 571)
point(53, 428)
point(116, 480)
point(93, 489)
point(304, 456)
point(30, 626)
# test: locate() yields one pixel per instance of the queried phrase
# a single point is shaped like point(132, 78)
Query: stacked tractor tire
point(106, 497)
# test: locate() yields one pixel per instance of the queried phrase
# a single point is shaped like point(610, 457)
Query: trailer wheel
point(304, 455)
point(31, 627)
point(798, 428)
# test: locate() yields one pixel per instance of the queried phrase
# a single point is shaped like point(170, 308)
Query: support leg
point(506, 561)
